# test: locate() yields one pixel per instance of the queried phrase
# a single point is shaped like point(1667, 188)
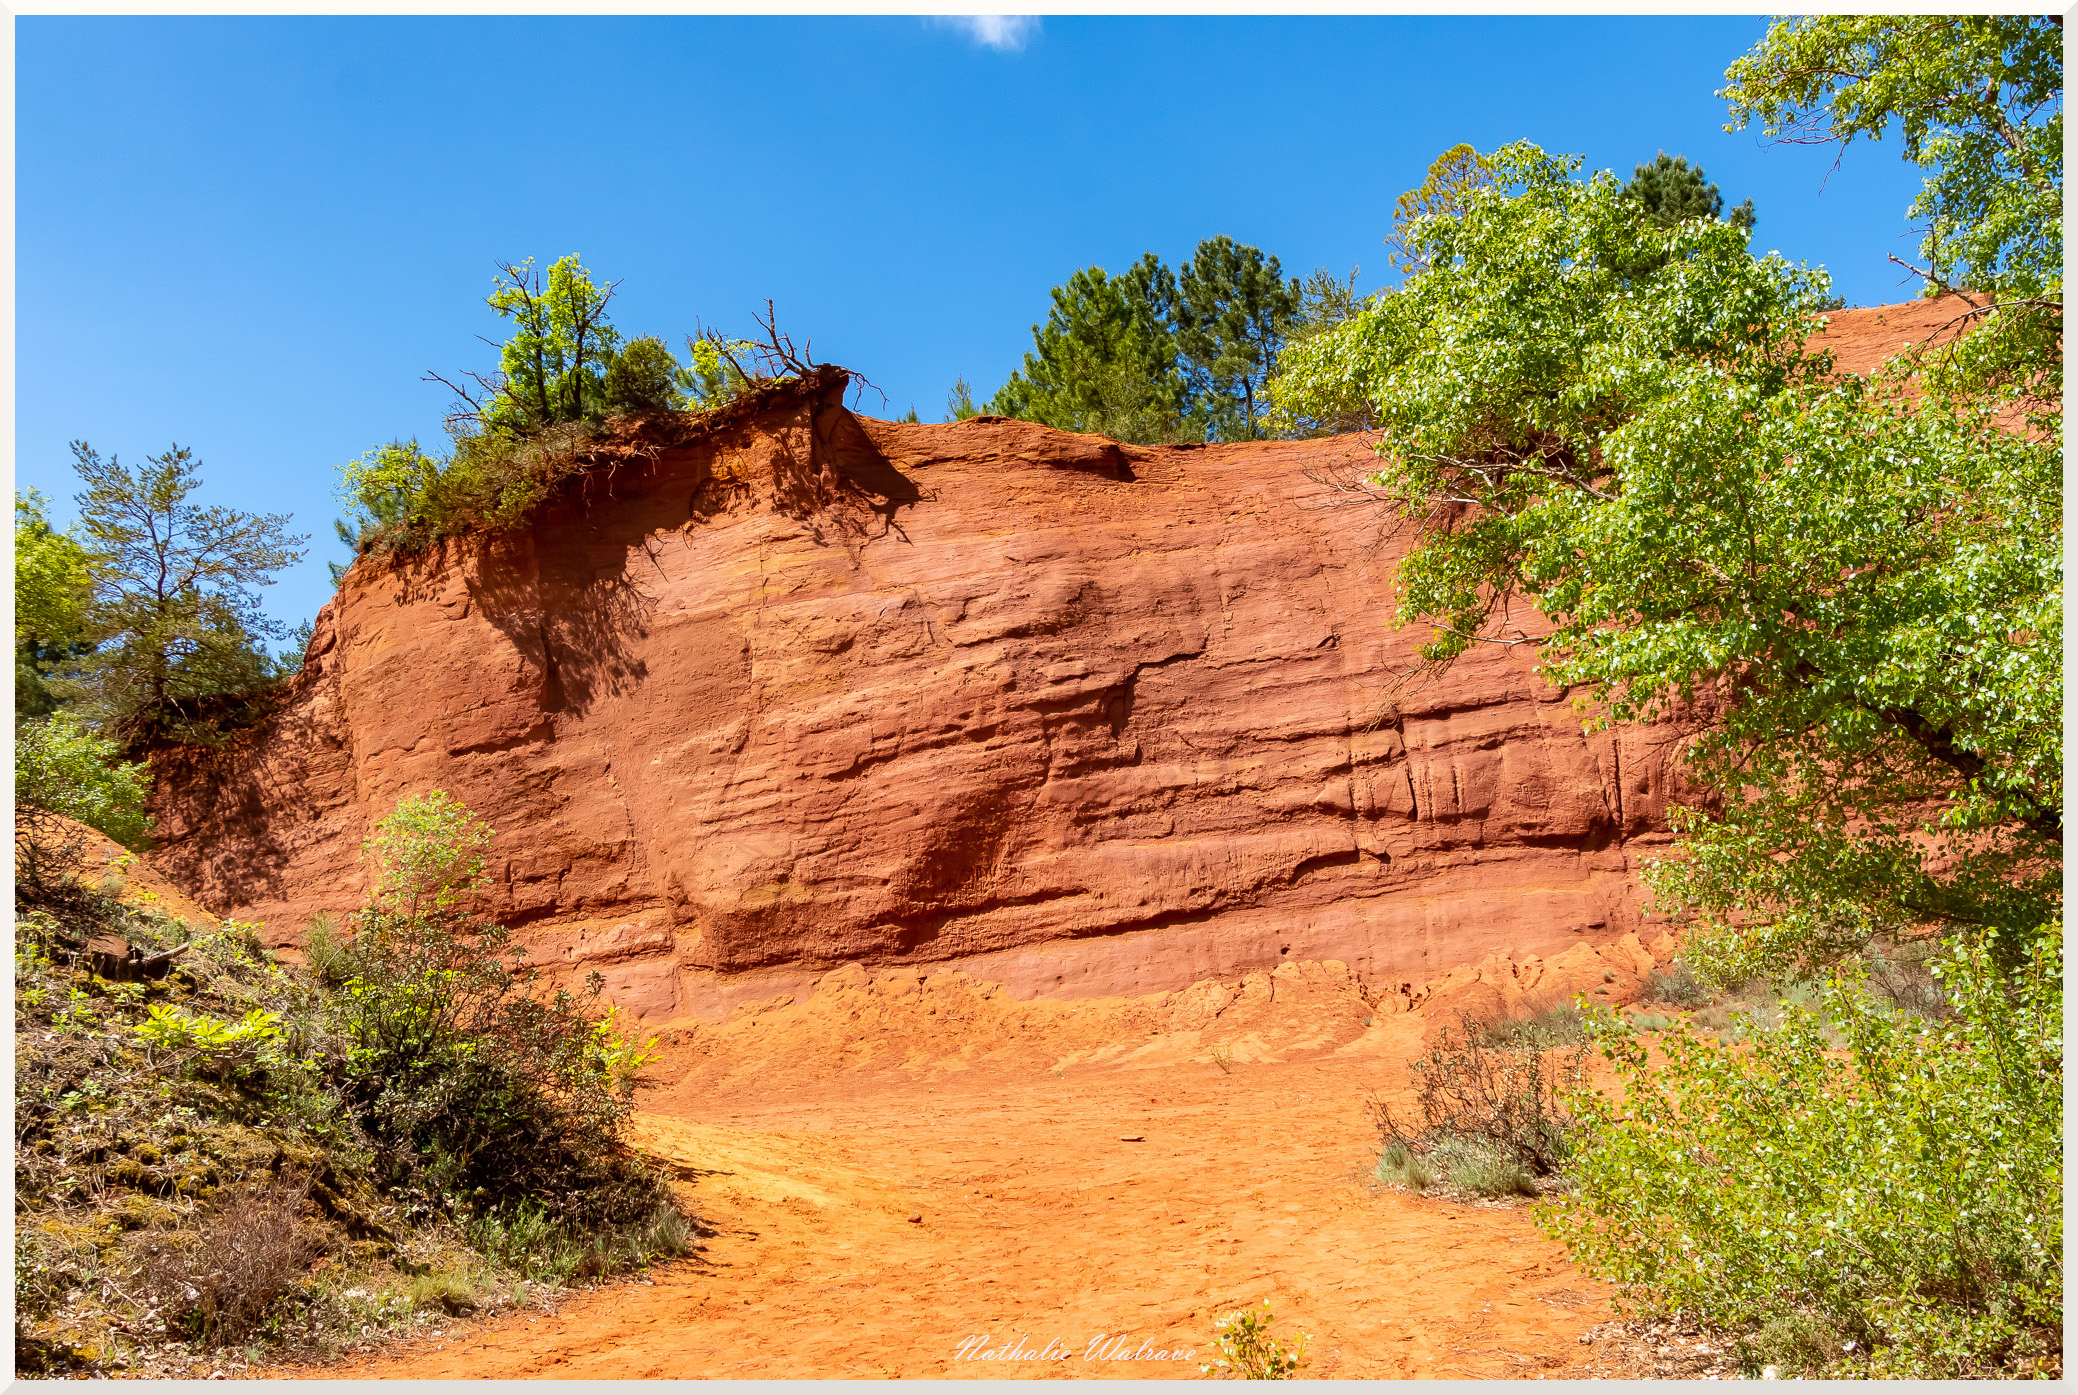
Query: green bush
point(481, 1086)
point(1904, 1194)
point(404, 500)
point(60, 765)
point(1247, 1350)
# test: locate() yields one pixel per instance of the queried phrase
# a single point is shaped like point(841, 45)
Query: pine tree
point(1674, 191)
point(1233, 311)
point(1105, 361)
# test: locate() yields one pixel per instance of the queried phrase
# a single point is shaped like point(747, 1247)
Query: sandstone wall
point(1087, 718)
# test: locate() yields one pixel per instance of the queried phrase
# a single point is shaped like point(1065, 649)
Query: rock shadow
point(574, 623)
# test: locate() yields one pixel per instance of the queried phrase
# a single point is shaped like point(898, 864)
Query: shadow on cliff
point(237, 799)
point(574, 624)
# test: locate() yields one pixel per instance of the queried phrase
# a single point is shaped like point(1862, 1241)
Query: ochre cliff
point(808, 688)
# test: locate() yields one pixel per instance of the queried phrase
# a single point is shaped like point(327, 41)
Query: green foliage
point(51, 588)
point(714, 373)
point(1150, 356)
point(1447, 191)
point(403, 499)
point(428, 855)
point(554, 369)
point(1673, 191)
point(1326, 302)
point(1105, 361)
point(523, 432)
point(475, 1081)
point(213, 1044)
point(61, 765)
point(959, 403)
point(1248, 1350)
point(1619, 423)
point(1978, 102)
point(643, 378)
point(1232, 312)
point(1904, 1195)
point(172, 610)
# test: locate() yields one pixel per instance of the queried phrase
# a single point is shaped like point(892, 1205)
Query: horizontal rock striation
point(808, 688)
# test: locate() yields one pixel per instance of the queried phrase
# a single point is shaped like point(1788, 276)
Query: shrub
point(1491, 1104)
point(219, 1282)
point(61, 766)
point(1482, 1168)
point(1904, 1194)
point(478, 1082)
point(643, 378)
point(1400, 1165)
point(1676, 986)
point(1249, 1352)
point(404, 500)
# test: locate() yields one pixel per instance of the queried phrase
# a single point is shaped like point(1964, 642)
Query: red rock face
point(1087, 718)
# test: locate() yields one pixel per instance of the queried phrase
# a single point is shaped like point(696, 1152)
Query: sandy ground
point(891, 1170)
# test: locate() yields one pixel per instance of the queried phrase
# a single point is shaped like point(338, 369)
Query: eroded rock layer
point(817, 688)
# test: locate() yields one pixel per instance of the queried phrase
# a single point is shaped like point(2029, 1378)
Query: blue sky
point(253, 236)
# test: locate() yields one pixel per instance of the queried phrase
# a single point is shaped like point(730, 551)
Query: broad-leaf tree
point(1622, 424)
point(1850, 588)
point(553, 368)
point(1977, 102)
point(50, 604)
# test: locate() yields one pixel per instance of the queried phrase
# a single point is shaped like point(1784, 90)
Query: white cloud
point(1007, 32)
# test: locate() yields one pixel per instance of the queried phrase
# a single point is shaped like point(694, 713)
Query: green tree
point(1978, 102)
point(643, 378)
point(51, 590)
point(1446, 192)
point(1619, 423)
point(714, 373)
point(959, 403)
point(554, 367)
point(1674, 191)
point(172, 610)
point(1326, 302)
point(1232, 311)
point(1856, 582)
point(471, 1075)
point(1105, 360)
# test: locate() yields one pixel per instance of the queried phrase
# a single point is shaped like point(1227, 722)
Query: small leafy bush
point(478, 1081)
point(1903, 1194)
point(1248, 1351)
point(60, 765)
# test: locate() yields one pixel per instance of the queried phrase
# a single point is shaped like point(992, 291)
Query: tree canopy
point(1673, 191)
point(1620, 423)
point(1105, 360)
point(51, 589)
point(1977, 101)
point(172, 611)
